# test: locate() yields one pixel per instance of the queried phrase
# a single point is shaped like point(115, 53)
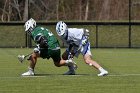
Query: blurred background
point(72, 10)
point(112, 23)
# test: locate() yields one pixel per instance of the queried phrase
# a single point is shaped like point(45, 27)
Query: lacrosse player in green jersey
point(47, 47)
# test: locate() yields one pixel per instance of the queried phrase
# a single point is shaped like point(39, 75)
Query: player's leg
point(60, 62)
point(71, 68)
point(93, 63)
point(56, 56)
point(88, 60)
point(63, 62)
point(32, 59)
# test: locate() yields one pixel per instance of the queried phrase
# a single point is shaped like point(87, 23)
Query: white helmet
point(30, 24)
point(61, 28)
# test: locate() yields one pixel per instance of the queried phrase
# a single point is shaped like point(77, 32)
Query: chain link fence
point(102, 34)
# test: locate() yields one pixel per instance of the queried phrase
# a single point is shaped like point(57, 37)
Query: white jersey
point(74, 37)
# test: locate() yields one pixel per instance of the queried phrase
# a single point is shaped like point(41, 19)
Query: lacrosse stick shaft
point(21, 58)
point(70, 56)
point(27, 55)
point(77, 50)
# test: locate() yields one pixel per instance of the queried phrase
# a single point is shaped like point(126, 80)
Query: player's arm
point(69, 48)
point(65, 55)
point(86, 36)
point(42, 41)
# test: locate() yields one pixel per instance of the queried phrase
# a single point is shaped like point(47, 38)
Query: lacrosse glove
point(86, 32)
point(36, 50)
point(84, 40)
point(42, 41)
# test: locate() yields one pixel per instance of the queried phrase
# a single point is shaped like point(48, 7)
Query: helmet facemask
point(65, 35)
point(29, 31)
point(30, 25)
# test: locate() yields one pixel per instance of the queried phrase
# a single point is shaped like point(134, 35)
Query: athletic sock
point(30, 69)
point(101, 69)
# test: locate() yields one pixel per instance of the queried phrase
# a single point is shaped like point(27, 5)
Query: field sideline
point(123, 66)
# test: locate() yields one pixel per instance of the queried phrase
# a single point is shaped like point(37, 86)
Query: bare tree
point(17, 10)
point(25, 16)
point(87, 9)
point(3, 17)
point(57, 10)
point(80, 9)
point(10, 10)
point(63, 9)
point(104, 13)
point(16, 6)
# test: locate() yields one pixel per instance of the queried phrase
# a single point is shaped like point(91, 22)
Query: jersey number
point(50, 33)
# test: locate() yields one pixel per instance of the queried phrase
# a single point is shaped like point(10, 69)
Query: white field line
point(110, 75)
point(123, 75)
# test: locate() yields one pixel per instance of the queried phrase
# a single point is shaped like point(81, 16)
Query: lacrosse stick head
point(21, 58)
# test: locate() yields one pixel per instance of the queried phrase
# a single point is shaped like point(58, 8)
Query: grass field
point(123, 66)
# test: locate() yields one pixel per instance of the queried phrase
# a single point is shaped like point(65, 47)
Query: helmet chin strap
point(65, 35)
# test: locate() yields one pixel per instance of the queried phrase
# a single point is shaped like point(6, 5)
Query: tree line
point(74, 10)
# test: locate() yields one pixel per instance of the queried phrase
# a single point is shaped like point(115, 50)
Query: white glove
point(36, 50)
point(84, 41)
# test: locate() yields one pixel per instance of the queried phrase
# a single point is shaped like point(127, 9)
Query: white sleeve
point(75, 35)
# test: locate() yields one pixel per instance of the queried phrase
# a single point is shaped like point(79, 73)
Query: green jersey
point(51, 40)
point(53, 47)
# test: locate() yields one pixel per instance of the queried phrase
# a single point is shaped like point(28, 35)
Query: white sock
point(101, 69)
point(30, 69)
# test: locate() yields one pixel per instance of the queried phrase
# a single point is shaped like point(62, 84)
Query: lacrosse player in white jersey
point(77, 40)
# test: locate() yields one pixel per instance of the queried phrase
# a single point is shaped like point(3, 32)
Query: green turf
point(123, 66)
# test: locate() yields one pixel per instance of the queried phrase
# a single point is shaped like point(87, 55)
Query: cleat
point(104, 73)
point(70, 72)
point(28, 73)
point(73, 66)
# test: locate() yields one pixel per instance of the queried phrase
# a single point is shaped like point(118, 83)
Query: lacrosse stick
point(21, 58)
point(74, 63)
point(70, 56)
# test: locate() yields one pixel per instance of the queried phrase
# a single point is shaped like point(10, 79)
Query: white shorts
point(84, 50)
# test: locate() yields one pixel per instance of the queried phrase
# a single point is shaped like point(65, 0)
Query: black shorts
point(48, 53)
